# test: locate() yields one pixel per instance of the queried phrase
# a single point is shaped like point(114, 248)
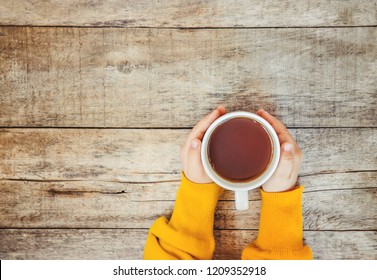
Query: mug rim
point(241, 186)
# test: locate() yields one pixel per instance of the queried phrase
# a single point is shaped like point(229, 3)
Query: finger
point(286, 162)
point(279, 127)
point(201, 127)
point(221, 109)
point(197, 131)
point(194, 161)
point(276, 124)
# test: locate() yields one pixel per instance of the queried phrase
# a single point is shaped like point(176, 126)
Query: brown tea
point(240, 149)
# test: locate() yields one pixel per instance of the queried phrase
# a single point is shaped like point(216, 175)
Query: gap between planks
point(170, 181)
point(168, 127)
point(190, 28)
point(144, 228)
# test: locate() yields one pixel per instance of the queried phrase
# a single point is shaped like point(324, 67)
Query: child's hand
point(190, 153)
point(285, 176)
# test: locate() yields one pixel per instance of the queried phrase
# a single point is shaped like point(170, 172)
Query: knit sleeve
point(280, 233)
point(189, 233)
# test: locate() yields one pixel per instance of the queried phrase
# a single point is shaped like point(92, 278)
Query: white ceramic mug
point(241, 188)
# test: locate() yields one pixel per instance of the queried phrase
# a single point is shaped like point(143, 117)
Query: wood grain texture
point(192, 13)
point(129, 244)
point(104, 77)
point(326, 245)
point(166, 190)
point(93, 193)
point(96, 178)
point(148, 155)
point(116, 205)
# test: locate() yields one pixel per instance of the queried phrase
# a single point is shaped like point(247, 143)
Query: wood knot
point(125, 67)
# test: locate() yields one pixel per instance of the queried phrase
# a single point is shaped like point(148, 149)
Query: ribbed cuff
point(280, 226)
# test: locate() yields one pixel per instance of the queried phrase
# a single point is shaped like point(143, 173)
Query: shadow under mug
point(241, 188)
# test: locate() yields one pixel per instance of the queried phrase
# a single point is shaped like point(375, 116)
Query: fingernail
point(288, 147)
point(194, 144)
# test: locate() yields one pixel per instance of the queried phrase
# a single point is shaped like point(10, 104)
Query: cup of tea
point(240, 151)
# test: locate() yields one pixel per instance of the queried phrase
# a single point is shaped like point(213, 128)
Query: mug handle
point(242, 200)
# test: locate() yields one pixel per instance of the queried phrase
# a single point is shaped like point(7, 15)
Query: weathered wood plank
point(166, 190)
point(90, 77)
point(326, 245)
point(72, 244)
point(148, 155)
point(192, 13)
point(129, 244)
point(85, 205)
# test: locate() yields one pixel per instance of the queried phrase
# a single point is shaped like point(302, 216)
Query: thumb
point(286, 162)
point(194, 161)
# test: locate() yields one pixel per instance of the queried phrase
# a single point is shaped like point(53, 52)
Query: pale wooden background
point(92, 117)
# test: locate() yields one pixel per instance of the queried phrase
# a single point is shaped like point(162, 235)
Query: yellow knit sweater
point(189, 233)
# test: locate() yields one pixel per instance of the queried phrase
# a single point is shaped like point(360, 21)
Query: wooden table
point(96, 98)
